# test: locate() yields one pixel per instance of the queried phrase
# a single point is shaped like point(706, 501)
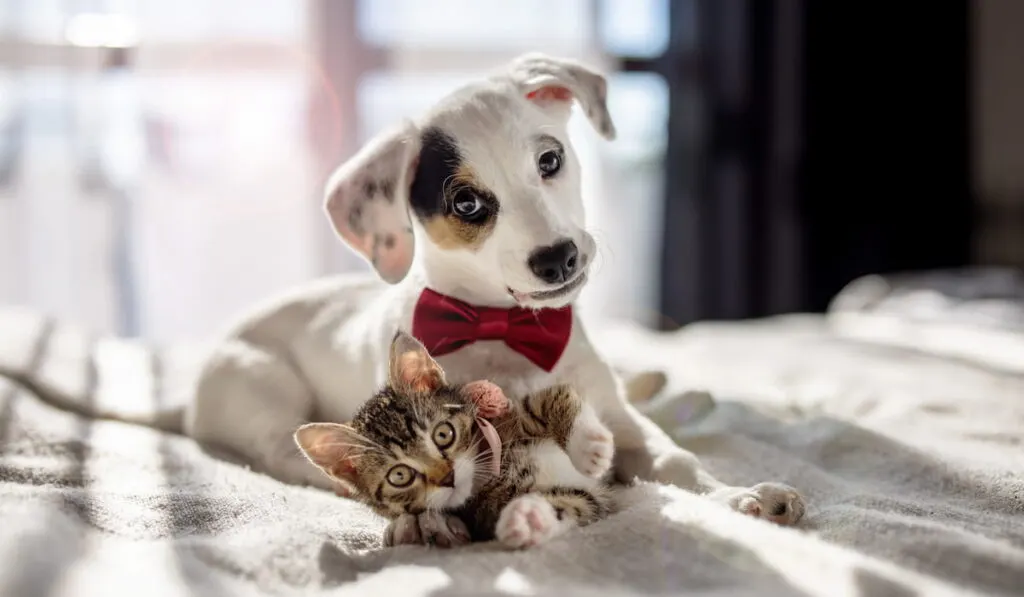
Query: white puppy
point(479, 202)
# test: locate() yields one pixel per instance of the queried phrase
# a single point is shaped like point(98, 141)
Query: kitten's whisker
point(366, 442)
point(349, 445)
point(431, 507)
point(416, 411)
point(505, 425)
point(483, 459)
point(354, 446)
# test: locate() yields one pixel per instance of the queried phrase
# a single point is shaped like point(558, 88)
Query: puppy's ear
point(334, 449)
point(411, 366)
point(553, 83)
point(367, 201)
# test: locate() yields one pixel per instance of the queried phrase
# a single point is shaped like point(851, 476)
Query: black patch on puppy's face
point(439, 161)
point(442, 176)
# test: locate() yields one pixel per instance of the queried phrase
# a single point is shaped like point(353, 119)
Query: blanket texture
point(911, 463)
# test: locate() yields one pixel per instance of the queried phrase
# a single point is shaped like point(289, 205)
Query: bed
point(899, 414)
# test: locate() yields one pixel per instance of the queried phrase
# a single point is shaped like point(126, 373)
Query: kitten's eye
point(401, 475)
point(444, 435)
point(468, 206)
point(549, 163)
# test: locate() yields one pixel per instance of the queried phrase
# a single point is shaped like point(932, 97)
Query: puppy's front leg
point(558, 413)
point(644, 450)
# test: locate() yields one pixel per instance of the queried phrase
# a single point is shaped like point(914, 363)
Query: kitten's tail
point(95, 377)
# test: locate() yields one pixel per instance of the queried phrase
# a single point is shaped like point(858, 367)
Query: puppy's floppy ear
point(411, 366)
point(553, 83)
point(333, 448)
point(367, 201)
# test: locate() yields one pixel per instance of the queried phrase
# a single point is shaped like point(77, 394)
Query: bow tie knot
point(492, 324)
point(444, 325)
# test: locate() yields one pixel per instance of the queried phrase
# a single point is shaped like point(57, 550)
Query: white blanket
point(912, 465)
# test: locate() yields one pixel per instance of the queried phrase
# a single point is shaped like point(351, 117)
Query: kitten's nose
point(449, 480)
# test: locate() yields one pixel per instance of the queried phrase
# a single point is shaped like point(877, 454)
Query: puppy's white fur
point(319, 352)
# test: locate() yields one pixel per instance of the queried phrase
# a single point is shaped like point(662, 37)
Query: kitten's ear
point(333, 448)
point(411, 367)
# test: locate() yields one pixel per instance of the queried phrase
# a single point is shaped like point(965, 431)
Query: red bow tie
point(444, 325)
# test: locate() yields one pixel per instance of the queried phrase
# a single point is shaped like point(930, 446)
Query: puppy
point(473, 219)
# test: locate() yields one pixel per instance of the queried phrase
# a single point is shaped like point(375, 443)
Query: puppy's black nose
point(449, 480)
point(555, 264)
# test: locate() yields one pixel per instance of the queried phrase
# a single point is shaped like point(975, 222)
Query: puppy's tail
point(95, 377)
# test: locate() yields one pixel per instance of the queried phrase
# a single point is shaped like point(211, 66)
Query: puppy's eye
point(444, 435)
point(468, 206)
point(549, 163)
point(401, 475)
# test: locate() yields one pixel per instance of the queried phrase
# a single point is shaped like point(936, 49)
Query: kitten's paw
point(774, 502)
point(438, 529)
point(590, 447)
point(404, 530)
point(430, 528)
point(526, 521)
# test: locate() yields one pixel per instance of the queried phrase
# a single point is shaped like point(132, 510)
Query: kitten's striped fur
point(544, 417)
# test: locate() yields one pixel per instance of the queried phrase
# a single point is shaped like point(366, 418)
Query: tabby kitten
point(421, 446)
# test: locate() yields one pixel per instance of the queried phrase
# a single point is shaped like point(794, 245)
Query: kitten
point(420, 445)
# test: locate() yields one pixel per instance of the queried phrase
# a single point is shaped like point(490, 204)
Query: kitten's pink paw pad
point(591, 448)
point(526, 521)
point(773, 502)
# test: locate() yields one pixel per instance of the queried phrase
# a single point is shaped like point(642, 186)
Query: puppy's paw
point(590, 447)
point(526, 521)
point(435, 529)
point(773, 502)
point(676, 467)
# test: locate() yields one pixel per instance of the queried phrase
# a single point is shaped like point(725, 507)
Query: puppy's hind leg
point(249, 400)
point(644, 450)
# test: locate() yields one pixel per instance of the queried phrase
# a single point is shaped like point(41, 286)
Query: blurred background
point(161, 163)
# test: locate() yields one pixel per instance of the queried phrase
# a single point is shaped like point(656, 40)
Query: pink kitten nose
point(449, 480)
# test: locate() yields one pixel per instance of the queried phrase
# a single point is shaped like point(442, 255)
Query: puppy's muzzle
point(555, 264)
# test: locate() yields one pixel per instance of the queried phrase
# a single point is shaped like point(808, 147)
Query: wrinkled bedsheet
point(912, 464)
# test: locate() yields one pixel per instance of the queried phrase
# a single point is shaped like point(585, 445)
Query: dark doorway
point(810, 143)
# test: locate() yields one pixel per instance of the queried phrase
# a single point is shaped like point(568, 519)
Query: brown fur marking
point(552, 413)
point(449, 231)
